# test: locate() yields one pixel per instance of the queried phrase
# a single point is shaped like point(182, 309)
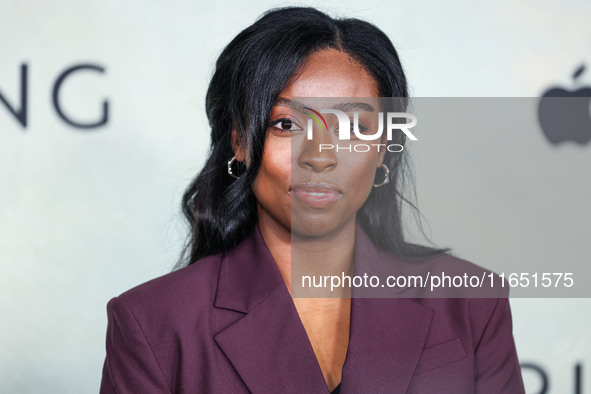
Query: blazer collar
point(248, 274)
point(268, 345)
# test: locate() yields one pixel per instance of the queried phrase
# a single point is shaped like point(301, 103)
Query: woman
point(267, 198)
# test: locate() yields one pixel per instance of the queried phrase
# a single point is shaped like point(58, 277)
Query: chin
point(317, 226)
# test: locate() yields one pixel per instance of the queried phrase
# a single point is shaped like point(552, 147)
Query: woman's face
point(299, 187)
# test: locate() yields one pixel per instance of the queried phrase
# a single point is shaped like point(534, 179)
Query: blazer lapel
point(267, 344)
point(386, 339)
point(387, 335)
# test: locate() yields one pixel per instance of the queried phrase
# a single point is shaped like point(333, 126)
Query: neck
point(295, 256)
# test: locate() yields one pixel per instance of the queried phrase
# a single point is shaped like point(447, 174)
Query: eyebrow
point(285, 102)
point(345, 107)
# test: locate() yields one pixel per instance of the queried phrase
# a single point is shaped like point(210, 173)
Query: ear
point(238, 146)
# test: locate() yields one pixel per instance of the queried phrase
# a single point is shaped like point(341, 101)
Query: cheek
point(274, 175)
point(360, 170)
point(277, 159)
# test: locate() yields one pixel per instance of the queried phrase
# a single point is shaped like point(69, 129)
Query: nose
point(312, 157)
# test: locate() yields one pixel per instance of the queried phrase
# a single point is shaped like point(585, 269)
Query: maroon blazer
point(227, 324)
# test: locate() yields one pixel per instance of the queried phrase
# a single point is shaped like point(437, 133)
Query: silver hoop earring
point(386, 176)
point(230, 171)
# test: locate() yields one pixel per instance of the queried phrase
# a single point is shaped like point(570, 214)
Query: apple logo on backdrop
point(566, 118)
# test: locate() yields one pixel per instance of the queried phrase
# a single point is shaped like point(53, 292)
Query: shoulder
point(459, 292)
point(156, 327)
point(464, 296)
point(187, 291)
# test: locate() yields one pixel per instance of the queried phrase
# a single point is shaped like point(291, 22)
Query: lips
point(316, 195)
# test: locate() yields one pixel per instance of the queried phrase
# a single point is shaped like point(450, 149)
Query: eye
point(285, 124)
point(362, 129)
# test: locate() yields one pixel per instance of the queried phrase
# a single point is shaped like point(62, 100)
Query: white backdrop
point(87, 214)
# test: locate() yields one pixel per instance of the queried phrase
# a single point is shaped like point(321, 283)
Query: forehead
point(331, 73)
